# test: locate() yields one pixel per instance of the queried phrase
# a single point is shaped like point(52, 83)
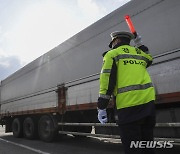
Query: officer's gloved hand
point(138, 41)
point(102, 116)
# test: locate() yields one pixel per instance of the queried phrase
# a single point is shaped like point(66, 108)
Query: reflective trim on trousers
point(104, 96)
point(135, 87)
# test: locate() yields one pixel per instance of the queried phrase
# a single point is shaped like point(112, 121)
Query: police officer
point(125, 76)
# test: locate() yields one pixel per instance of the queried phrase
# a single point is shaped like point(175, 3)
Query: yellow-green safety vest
point(133, 84)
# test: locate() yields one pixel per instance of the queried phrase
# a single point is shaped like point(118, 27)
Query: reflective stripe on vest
point(104, 96)
point(106, 71)
point(126, 56)
point(135, 87)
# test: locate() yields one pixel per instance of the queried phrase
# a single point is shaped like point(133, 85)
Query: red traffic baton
point(130, 25)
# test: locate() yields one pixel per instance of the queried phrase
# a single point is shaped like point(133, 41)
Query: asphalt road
point(65, 145)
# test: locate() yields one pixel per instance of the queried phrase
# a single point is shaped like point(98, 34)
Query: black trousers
point(141, 130)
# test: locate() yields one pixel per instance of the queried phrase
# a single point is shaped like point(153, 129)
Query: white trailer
point(62, 85)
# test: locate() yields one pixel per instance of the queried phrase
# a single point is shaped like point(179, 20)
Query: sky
point(30, 28)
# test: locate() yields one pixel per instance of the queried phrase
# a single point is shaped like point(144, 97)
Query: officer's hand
point(138, 41)
point(102, 116)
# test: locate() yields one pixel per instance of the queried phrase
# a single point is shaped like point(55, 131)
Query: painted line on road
point(24, 146)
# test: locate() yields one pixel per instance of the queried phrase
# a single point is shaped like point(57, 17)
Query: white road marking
point(24, 146)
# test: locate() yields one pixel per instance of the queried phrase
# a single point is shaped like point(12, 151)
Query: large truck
point(57, 92)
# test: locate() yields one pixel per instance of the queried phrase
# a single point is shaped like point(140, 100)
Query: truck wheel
point(29, 128)
point(46, 129)
point(17, 128)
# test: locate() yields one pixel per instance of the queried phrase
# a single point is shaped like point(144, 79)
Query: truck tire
point(29, 128)
point(46, 129)
point(17, 128)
